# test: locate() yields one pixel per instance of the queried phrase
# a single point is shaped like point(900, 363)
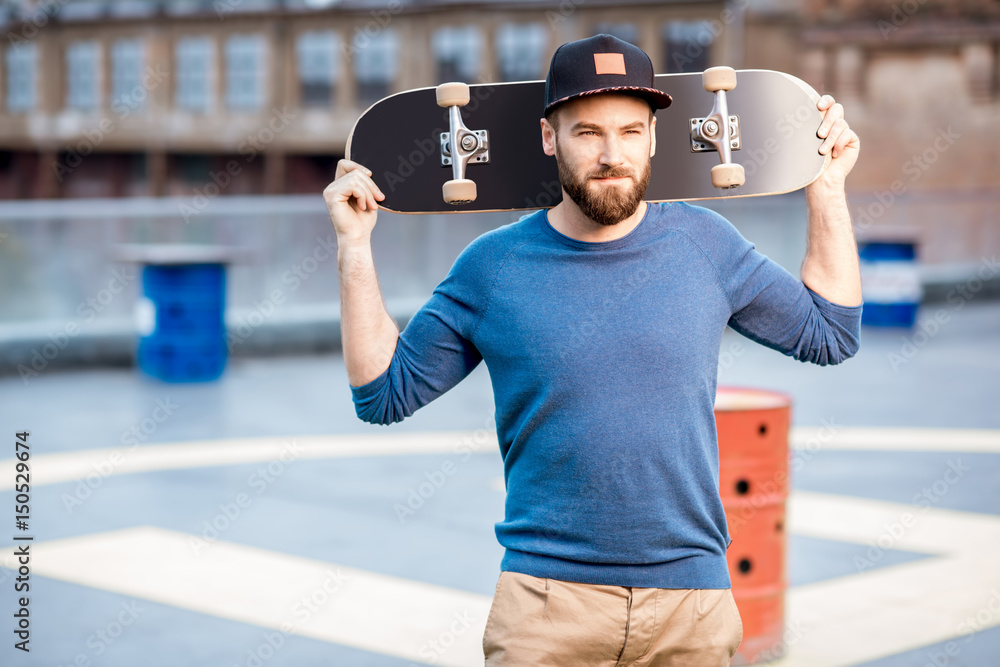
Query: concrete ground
point(255, 521)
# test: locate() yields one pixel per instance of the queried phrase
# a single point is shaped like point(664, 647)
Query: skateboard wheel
point(454, 94)
point(727, 176)
point(459, 191)
point(718, 78)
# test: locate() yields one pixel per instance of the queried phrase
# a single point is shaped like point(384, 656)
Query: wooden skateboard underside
point(398, 139)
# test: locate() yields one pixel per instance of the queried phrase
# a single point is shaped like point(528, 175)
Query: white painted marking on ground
point(895, 439)
point(881, 612)
point(72, 466)
point(281, 592)
point(891, 525)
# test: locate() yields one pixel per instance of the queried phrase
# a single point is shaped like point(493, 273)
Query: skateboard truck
point(460, 145)
point(705, 127)
point(719, 131)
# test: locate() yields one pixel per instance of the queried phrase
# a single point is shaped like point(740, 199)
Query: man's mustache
point(613, 172)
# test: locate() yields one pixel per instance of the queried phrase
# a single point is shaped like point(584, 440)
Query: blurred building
point(152, 98)
point(136, 97)
point(920, 81)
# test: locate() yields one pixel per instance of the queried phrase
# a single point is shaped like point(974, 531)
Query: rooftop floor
point(256, 521)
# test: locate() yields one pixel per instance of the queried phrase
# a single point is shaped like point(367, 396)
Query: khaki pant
point(538, 622)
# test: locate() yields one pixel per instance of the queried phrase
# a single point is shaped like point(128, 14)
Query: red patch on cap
point(609, 63)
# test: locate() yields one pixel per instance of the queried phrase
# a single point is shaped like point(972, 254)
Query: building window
point(520, 51)
point(456, 53)
point(686, 46)
point(22, 63)
point(319, 63)
point(83, 75)
point(194, 167)
point(627, 32)
point(195, 58)
point(375, 62)
point(245, 69)
point(127, 61)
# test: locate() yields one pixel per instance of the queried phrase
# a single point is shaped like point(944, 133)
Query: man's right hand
point(368, 334)
point(352, 199)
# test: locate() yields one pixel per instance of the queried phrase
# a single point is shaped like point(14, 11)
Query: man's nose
point(612, 154)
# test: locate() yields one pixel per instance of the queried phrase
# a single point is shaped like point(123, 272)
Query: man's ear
point(652, 137)
point(548, 137)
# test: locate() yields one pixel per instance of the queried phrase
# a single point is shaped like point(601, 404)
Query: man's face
point(602, 145)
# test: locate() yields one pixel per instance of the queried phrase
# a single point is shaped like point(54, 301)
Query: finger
point(824, 102)
point(357, 185)
point(837, 132)
point(342, 190)
point(831, 136)
point(847, 138)
point(833, 114)
point(343, 166)
point(346, 166)
point(372, 191)
point(353, 191)
point(364, 176)
point(368, 200)
point(353, 196)
point(366, 194)
point(370, 184)
point(369, 194)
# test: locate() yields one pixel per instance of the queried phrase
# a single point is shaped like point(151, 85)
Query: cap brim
point(656, 98)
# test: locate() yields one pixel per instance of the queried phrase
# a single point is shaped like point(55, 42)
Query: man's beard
point(609, 206)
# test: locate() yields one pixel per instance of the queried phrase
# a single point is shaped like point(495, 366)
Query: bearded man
point(601, 321)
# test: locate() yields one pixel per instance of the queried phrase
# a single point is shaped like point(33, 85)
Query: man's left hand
point(839, 140)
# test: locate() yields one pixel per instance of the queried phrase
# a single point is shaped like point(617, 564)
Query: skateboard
point(727, 133)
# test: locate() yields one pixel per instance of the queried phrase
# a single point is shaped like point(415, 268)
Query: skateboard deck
point(399, 140)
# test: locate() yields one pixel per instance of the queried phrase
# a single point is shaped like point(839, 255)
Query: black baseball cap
point(601, 64)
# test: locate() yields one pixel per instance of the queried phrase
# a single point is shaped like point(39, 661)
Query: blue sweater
point(603, 358)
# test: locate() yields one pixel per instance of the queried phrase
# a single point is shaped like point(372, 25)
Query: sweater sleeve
point(434, 351)
point(774, 308)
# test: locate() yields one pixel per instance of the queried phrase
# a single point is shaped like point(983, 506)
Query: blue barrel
point(890, 283)
point(184, 334)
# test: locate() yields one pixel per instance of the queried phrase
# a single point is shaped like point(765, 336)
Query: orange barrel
point(753, 482)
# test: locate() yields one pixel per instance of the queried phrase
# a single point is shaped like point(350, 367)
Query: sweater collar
point(633, 237)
